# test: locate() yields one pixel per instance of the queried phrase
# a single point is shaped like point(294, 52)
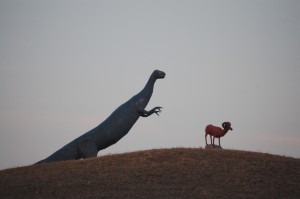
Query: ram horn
point(224, 124)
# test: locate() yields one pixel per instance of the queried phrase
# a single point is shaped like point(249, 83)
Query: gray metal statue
point(112, 129)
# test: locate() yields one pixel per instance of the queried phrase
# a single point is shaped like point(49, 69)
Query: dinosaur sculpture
point(112, 129)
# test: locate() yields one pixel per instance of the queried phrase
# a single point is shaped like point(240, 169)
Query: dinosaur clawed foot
point(157, 110)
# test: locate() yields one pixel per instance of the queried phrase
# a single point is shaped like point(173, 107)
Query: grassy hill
point(159, 173)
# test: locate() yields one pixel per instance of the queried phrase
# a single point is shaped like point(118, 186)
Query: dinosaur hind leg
point(87, 149)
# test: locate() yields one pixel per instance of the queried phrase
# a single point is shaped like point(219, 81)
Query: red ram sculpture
point(217, 132)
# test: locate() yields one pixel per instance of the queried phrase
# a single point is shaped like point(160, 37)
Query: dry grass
point(163, 173)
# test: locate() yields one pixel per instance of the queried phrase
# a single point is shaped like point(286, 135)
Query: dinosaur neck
point(150, 84)
point(147, 91)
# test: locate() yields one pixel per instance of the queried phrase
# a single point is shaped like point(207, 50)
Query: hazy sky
point(66, 65)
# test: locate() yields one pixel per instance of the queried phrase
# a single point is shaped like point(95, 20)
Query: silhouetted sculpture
point(112, 129)
point(217, 132)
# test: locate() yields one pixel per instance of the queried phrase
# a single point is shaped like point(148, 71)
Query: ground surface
point(161, 173)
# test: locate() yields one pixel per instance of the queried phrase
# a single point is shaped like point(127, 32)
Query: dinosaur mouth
point(162, 74)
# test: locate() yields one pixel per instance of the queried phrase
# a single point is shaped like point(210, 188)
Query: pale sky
point(66, 65)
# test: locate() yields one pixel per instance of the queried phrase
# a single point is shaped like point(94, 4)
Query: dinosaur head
point(159, 74)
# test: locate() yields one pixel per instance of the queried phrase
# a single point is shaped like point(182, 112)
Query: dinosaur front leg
point(145, 113)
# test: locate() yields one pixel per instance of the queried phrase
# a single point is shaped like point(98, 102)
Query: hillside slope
point(160, 173)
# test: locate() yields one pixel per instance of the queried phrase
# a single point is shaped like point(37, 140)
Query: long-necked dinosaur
point(112, 129)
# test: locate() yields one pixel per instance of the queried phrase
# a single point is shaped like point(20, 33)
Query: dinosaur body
point(110, 131)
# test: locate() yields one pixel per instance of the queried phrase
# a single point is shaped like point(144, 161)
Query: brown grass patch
point(160, 173)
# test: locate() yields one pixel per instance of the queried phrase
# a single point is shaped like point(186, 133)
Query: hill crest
point(159, 173)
